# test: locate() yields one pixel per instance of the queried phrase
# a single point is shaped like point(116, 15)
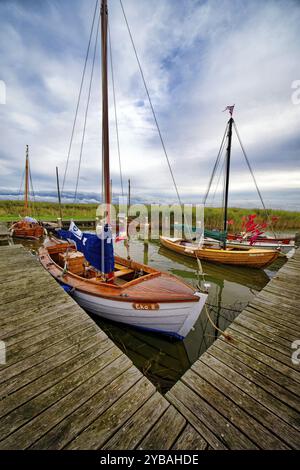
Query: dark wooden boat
point(28, 227)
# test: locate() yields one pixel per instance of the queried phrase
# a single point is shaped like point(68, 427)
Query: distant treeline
point(12, 210)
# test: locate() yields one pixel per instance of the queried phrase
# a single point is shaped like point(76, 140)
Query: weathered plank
point(189, 439)
point(212, 419)
point(70, 427)
point(46, 429)
point(237, 416)
point(256, 371)
point(133, 431)
point(166, 430)
point(106, 425)
point(250, 381)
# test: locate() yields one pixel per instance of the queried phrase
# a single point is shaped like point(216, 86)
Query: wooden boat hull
point(253, 258)
point(171, 318)
point(281, 247)
point(24, 229)
point(157, 301)
point(267, 240)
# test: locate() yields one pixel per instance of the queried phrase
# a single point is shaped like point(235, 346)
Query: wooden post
point(105, 127)
point(129, 201)
point(228, 154)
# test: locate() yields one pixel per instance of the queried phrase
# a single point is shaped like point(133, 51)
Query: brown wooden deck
point(65, 384)
point(245, 393)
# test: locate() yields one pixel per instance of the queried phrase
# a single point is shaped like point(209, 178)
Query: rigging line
point(86, 110)
point(115, 109)
point(33, 203)
point(151, 106)
point(253, 176)
point(218, 182)
point(158, 129)
point(79, 97)
point(21, 185)
point(215, 166)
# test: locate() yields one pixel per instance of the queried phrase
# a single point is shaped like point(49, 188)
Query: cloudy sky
point(197, 57)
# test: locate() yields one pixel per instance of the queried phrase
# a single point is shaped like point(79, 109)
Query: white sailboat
point(113, 287)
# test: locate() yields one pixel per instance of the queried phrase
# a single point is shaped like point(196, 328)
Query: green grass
point(11, 210)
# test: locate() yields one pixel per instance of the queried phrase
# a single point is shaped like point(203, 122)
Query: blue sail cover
point(99, 252)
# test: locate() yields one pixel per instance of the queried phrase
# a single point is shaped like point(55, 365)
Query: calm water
point(164, 360)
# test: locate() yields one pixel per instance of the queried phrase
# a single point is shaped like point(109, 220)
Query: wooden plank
point(37, 365)
point(19, 314)
point(42, 431)
point(284, 294)
point(72, 361)
point(276, 315)
point(212, 419)
point(50, 318)
point(281, 326)
point(261, 396)
point(263, 303)
point(256, 371)
point(18, 356)
point(237, 416)
point(133, 431)
point(17, 306)
point(72, 425)
point(104, 427)
point(263, 333)
point(165, 432)
point(190, 439)
point(47, 328)
point(37, 404)
point(208, 436)
point(250, 405)
point(261, 349)
point(276, 298)
point(278, 370)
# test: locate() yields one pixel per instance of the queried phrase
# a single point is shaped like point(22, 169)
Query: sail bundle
point(97, 250)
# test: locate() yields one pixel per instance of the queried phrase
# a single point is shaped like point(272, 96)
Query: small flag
point(121, 236)
point(75, 230)
point(229, 108)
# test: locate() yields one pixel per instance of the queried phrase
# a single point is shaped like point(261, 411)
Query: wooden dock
point(4, 233)
point(245, 393)
point(65, 385)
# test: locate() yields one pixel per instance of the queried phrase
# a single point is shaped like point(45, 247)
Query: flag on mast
point(229, 108)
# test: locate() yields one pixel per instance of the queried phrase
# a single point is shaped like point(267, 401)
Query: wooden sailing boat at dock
point(112, 287)
point(211, 250)
point(28, 227)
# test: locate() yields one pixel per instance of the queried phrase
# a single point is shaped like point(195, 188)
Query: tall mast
point(228, 154)
point(105, 129)
point(26, 181)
